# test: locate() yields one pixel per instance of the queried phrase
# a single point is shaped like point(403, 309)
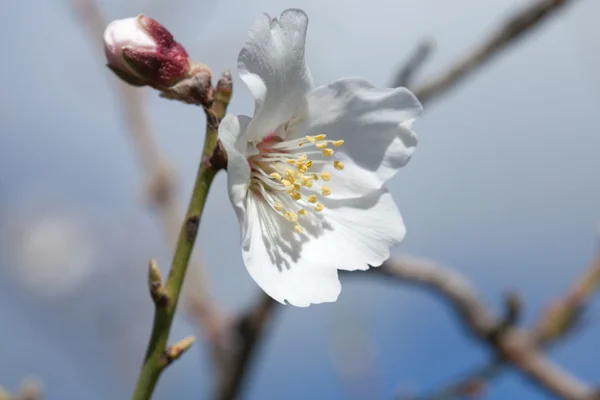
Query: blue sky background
point(504, 187)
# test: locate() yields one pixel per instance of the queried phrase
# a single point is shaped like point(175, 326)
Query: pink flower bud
point(142, 52)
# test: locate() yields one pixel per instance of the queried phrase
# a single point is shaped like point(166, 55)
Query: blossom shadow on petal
point(283, 244)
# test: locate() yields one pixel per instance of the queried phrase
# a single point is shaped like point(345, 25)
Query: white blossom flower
point(306, 173)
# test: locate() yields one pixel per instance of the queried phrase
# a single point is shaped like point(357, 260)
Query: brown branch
point(249, 329)
point(161, 188)
point(407, 72)
point(469, 386)
point(557, 321)
point(516, 346)
point(514, 28)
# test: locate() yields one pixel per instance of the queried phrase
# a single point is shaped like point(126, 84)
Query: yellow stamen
point(296, 196)
point(308, 164)
point(338, 165)
point(321, 145)
point(303, 157)
point(319, 207)
point(291, 217)
point(322, 136)
point(328, 152)
point(337, 143)
point(302, 212)
point(326, 191)
point(326, 176)
point(286, 182)
point(312, 198)
point(278, 206)
point(297, 228)
point(276, 176)
point(310, 139)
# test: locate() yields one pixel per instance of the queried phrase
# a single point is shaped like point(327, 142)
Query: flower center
point(284, 174)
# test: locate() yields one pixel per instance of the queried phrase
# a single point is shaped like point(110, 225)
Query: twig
point(517, 346)
point(563, 314)
point(415, 61)
point(249, 330)
point(471, 384)
point(513, 28)
point(161, 186)
point(157, 351)
point(557, 321)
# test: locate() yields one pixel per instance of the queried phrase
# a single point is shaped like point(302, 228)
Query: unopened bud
point(143, 52)
point(174, 352)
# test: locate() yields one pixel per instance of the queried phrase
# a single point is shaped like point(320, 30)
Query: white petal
point(238, 170)
point(358, 232)
point(121, 33)
point(272, 252)
point(272, 65)
point(375, 125)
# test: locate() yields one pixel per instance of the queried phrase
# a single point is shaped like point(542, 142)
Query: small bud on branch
point(155, 284)
point(142, 52)
point(175, 351)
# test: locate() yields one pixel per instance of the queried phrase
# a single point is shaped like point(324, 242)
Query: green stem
point(163, 318)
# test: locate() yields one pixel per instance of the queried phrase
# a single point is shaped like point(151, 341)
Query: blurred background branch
point(508, 33)
point(561, 318)
point(512, 346)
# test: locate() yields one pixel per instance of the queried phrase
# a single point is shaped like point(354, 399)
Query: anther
point(319, 207)
point(337, 143)
point(326, 176)
point(321, 136)
point(328, 152)
point(338, 165)
point(310, 139)
point(312, 198)
point(321, 145)
point(297, 228)
point(275, 175)
point(278, 206)
point(291, 217)
point(325, 191)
